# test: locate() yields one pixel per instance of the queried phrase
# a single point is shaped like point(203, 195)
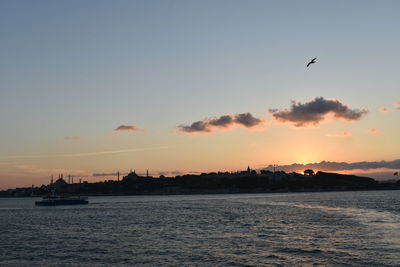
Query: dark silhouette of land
point(249, 181)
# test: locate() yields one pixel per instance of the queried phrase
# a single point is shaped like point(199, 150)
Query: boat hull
point(56, 203)
point(62, 201)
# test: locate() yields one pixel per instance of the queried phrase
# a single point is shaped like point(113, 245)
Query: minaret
point(118, 175)
point(147, 173)
point(51, 181)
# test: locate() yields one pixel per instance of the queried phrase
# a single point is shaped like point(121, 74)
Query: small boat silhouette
point(54, 200)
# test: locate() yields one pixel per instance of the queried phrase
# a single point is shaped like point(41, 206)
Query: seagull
point(311, 62)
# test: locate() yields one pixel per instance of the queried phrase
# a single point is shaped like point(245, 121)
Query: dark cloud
point(313, 112)
point(338, 166)
point(176, 173)
point(247, 120)
point(205, 126)
point(223, 121)
point(72, 138)
point(127, 128)
point(196, 127)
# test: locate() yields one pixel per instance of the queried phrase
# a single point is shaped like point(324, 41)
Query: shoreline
point(227, 192)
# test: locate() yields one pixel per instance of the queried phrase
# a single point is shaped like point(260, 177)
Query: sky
point(194, 86)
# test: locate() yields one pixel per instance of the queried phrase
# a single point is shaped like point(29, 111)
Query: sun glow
point(305, 158)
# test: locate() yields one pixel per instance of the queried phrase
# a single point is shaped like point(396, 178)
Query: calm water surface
point(297, 229)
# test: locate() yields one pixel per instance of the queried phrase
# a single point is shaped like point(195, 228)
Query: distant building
point(60, 182)
point(131, 176)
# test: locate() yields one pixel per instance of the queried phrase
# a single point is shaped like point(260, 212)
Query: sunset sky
point(92, 87)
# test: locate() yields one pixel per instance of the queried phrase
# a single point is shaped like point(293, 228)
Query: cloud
point(173, 173)
point(109, 174)
point(195, 127)
point(33, 169)
point(397, 104)
point(246, 120)
point(223, 121)
point(127, 128)
point(338, 166)
point(84, 154)
point(72, 138)
point(381, 174)
point(344, 134)
point(374, 132)
point(384, 110)
point(313, 112)
point(22, 175)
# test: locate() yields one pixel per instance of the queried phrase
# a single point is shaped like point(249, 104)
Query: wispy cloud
point(22, 174)
point(84, 154)
point(315, 111)
point(155, 173)
point(374, 132)
point(72, 138)
point(128, 128)
point(246, 120)
point(33, 169)
point(108, 174)
point(343, 134)
point(177, 172)
point(397, 104)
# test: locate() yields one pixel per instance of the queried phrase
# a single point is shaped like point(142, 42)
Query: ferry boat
point(59, 200)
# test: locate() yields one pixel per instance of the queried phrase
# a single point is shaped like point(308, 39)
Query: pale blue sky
point(81, 68)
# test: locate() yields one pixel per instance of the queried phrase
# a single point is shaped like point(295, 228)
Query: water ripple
point(305, 229)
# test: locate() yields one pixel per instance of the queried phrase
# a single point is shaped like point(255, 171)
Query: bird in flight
point(311, 62)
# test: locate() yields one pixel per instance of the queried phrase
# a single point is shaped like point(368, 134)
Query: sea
point(291, 229)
